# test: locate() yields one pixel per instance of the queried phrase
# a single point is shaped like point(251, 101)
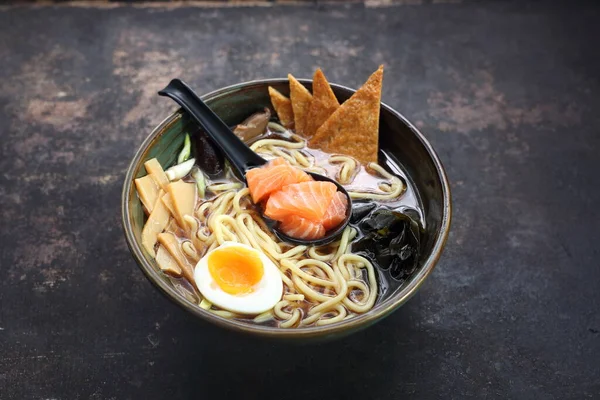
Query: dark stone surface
point(506, 92)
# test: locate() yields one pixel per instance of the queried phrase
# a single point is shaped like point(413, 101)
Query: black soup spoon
point(241, 157)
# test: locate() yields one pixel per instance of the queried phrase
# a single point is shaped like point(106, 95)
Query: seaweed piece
point(392, 239)
point(360, 211)
point(412, 214)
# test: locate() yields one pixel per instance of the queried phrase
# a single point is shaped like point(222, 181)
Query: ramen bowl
point(397, 136)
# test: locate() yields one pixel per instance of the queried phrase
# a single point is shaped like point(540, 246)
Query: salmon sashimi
point(272, 177)
point(336, 212)
point(297, 174)
point(305, 199)
point(300, 176)
point(278, 161)
point(266, 180)
point(301, 228)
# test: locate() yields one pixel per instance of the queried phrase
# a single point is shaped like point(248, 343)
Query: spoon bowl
point(241, 157)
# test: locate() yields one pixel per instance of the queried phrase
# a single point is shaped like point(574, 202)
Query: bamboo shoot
point(155, 169)
point(183, 197)
point(156, 223)
point(167, 263)
point(174, 248)
point(167, 200)
point(147, 190)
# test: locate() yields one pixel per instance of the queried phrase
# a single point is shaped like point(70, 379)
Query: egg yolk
point(235, 269)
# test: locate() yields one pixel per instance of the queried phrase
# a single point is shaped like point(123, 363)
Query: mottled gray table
point(506, 92)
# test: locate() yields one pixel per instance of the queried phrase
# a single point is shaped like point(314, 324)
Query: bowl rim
point(361, 321)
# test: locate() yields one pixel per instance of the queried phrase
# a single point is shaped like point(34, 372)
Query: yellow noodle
point(237, 206)
point(307, 291)
point(341, 315)
point(297, 271)
point(276, 127)
point(202, 235)
point(348, 170)
point(279, 311)
point(264, 317)
point(316, 170)
point(301, 159)
point(200, 213)
point(293, 297)
point(395, 186)
point(224, 313)
point(346, 274)
point(225, 186)
point(311, 319)
point(341, 293)
point(191, 222)
point(280, 153)
point(314, 253)
point(277, 142)
point(190, 251)
point(372, 287)
point(286, 280)
point(296, 314)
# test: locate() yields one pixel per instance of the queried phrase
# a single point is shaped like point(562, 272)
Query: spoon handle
point(241, 157)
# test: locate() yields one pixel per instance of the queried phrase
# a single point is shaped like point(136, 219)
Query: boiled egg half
point(239, 278)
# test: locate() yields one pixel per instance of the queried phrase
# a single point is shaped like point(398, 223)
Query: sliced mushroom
point(254, 125)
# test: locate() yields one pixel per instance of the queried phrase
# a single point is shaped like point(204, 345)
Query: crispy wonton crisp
point(323, 104)
point(301, 99)
point(353, 129)
point(283, 108)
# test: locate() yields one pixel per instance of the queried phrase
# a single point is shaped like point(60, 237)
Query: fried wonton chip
point(301, 99)
point(353, 129)
point(283, 108)
point(323, 104)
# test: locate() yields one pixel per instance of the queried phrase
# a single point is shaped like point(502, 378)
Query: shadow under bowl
point(397, 136)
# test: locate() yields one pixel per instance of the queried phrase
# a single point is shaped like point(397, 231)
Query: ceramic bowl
point(233, 104)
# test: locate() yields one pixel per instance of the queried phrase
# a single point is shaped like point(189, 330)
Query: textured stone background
point(507, 92)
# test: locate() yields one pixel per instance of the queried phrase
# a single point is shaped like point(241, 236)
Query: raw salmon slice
point(268, 179)
point(300, 176)
point(305, 199)
point(278, 161)
point(264, 181)
point(297, 173)
point(336, 212)
point(302, 228)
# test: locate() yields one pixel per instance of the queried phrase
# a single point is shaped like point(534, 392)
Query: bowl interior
point(233, 104)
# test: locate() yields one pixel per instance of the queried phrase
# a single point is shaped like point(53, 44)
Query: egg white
point(264, 296)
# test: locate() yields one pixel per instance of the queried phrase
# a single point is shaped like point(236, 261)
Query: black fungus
point(392, 240)
point(208, 156)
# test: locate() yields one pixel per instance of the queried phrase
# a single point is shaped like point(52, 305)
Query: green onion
point(200, 181)
point(184, 155)
point(180, 170)
point(205, 304)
